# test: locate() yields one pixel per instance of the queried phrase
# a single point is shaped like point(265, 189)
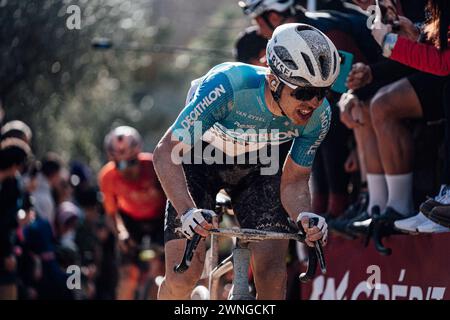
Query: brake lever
point(191, 246)
point(314, 254)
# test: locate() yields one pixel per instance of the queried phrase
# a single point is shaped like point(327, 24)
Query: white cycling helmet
point(123, 143)
point(302, 56)
point(255, 8)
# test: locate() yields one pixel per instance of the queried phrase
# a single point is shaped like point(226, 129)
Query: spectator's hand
point(408, 29)
point(359, 76)
point(380, 31)
point(351, 164)
point(347, 103)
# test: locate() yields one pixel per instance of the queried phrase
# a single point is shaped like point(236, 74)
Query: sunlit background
point(71, 94)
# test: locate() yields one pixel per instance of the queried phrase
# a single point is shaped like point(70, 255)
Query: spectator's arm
point(423, 57)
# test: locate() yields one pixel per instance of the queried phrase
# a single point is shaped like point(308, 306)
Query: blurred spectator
point(67, 220)
point(14, 154)
point(28, 264)
point(30, 177)
point(2, 113)
point(48, 178)
point(250, 47)
point(96, 245)
point(52, 278)
point(16, 129)
point(80, 178)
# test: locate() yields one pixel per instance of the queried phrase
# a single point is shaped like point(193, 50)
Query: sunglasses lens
point(122, 165)
point(309, 93)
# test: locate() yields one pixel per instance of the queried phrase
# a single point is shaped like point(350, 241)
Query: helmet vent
point(308, 64)
point(324, 67)
point(301, 81)
point(334, 62)
point(303, 27)
point(285, 57)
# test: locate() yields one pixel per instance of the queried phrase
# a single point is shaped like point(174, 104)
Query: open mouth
point(304, 113)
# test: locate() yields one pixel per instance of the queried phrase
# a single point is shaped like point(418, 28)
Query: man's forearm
point(172, 179)
point(296, 198)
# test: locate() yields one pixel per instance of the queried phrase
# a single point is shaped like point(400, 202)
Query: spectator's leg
point(367, 143)
point(334, 153)
point(390, 106)
point(446, 177)
point(319, 186)
point(128, 281)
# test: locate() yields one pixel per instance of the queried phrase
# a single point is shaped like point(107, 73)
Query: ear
point(274, 82)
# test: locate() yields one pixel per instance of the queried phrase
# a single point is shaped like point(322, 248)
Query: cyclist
point(133, 200)
point(241, 109)
point(250, 47)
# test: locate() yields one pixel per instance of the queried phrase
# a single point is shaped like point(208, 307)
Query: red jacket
point(424, 57)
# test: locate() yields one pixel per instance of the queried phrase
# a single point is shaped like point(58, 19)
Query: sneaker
point(441, 215)
point(432, 227)
point(443, 198)
point(390, 215)
point(410, 224)
point(356, 229)
point(339, 225)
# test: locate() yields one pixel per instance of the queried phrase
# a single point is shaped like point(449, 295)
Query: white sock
point(400, 192)
point(378, 192)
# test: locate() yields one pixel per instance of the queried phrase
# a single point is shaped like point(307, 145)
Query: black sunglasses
point(123, 164)
point(306, 94)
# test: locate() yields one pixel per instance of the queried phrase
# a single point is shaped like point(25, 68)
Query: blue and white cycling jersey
point(229, 105)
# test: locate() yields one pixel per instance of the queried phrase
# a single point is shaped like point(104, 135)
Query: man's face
point(265, 30)
point(299, 112)
point(131, 170)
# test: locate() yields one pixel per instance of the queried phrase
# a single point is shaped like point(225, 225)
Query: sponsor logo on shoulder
point(193, 116)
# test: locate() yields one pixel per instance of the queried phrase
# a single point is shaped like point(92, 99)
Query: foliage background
point(71, 95)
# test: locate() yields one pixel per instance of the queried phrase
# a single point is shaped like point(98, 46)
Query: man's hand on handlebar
point(197, 221)
point(315, 233)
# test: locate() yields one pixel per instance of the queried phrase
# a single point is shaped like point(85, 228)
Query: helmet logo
point(279, 65)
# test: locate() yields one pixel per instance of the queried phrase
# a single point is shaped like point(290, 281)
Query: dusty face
point(299, 112)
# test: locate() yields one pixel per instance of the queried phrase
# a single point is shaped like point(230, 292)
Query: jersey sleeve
point(304, 148)
point(109, 199)
point(211, 102)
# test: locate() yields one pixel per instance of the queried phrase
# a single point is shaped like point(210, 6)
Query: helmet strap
point(276, 95)
point(267, 21)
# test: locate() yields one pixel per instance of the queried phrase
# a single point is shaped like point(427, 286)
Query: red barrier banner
point(418, 269)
